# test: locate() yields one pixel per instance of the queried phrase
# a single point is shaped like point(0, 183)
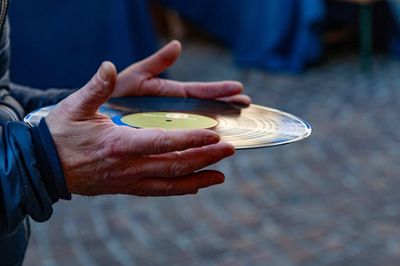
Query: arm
point(31, 178)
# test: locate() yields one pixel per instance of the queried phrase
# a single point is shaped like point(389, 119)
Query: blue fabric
point(22, 190)
point(62, 43)
point(395, 7)
point(49, 163)
point(13, 247)
point(273, 35)
point(394, 28)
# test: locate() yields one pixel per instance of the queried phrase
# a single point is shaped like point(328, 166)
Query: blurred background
point(332, 199)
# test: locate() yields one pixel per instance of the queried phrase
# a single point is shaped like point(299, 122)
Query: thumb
point(88, 99)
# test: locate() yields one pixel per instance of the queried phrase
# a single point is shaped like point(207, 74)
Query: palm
point(99, 157)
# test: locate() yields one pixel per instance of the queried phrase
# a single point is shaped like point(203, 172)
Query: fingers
point(182, 163)
point(227, 91)
point(130, 141)
point(237, 99)
point(212, 90)
point(88, 99)
point(161, 60)
point(201, 90)
point(177, 186)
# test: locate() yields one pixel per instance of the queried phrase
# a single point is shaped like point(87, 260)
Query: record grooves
point(254, 126)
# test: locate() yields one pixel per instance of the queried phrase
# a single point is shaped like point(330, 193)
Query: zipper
point(3, 13)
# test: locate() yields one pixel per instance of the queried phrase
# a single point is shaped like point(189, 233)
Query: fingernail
point(104, 71)
point(236, 86)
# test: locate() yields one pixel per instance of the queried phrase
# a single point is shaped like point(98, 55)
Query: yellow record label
point(168, 120)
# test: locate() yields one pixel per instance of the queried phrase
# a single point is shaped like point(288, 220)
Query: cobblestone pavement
point(330, 200)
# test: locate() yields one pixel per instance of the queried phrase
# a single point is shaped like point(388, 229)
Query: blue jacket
point(31, 176)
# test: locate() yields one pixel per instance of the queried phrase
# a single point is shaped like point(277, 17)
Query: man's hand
point(141, 79)
point(99, 157)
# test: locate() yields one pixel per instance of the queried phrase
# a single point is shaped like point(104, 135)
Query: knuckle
point(193, 141)
point(158, 86)
point(170, 189)
point(130, 172)
point(178, 169)
point(164, 142)
point(134, 171)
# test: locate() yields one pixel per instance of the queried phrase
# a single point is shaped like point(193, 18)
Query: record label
point(168, 120)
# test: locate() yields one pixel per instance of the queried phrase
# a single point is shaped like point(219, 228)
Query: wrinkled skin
point(99, 157)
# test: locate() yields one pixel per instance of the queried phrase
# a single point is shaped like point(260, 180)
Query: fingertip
point(219, 179)
point(230, 88)
point(212, 178)
point(242, 100)
point(229, 149)
point(177, 44)
point(107, 71)
point(164, 58)
point(212, 137)
point(236, 86)
point(246, 100)
point(175, 49)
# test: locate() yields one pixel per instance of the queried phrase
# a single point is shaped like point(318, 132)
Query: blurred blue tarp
point(274, 35)
point(61, 43)
point(394, 44)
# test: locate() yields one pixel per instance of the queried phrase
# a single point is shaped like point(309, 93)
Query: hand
point(141, 79)
point(99, 157)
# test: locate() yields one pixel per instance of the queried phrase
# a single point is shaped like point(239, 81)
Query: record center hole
point(168, 120)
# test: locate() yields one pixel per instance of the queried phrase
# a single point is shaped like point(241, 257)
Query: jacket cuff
point(49, 163)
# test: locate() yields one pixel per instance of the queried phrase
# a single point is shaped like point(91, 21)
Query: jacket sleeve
point(31, 99)
point(31, 177)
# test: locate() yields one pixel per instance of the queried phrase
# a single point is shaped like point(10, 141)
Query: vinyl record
point(253, 126)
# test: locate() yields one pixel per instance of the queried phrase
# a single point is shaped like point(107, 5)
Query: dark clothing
point(31, 177)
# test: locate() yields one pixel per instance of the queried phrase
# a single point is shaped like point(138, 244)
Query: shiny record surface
point(254, 126)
